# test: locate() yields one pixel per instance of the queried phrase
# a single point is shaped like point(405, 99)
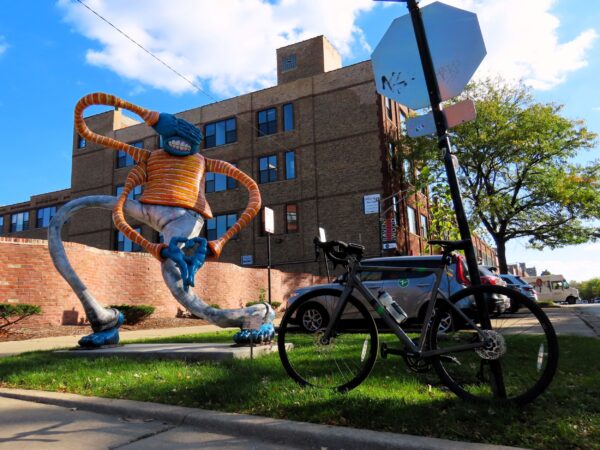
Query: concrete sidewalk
point(16, 347)
point(43, 420)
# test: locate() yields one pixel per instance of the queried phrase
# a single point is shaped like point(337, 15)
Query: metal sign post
point(269, 221)
point(444, 143)
point(418, 72)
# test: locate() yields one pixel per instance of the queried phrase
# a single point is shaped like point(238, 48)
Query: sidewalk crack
point(144, 436)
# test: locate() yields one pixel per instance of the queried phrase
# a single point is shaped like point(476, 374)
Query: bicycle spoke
point(516, 361)
point(342, 363)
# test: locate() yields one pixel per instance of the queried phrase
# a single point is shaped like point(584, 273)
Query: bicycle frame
point(417, 350)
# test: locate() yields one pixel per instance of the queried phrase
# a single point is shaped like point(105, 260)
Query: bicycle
point(512, 360)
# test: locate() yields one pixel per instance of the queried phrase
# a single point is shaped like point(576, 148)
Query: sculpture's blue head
point(180, 138)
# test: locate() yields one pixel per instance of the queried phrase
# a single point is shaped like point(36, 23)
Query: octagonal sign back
point(456, 47)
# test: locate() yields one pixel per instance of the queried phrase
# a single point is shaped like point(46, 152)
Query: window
point(217, 182)
point(424, 228)
point(267, 169)
point(288, 63)
point(408, 172)
point(1, 225)
point(44, 216)
point(288, 117)
point(220, 133)
point(135, 193)
point(217, 226)
point(19, 221)
point(291, 218)
point(290, 165)
point(267, 121)
point(392, 155)
point(123, 159)
point(81, 142)
point(124, 244)
point(412, 220)
point(388, 107)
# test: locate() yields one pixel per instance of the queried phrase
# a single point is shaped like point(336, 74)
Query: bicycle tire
point(522, 352)
point(344, 362)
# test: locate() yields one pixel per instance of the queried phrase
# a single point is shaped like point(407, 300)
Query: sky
point(54, 52)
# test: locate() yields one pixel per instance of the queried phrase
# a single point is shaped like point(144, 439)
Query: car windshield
point(513, 279)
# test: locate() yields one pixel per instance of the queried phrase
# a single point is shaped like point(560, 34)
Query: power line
point(194, 85)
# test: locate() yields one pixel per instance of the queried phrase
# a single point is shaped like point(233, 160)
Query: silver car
point(411, 290)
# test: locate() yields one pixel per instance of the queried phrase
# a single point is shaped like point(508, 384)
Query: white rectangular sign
point(269, 220)
point(322, 236)
point(371, 203)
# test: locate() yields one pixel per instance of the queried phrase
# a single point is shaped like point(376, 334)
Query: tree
point(516, 173)
point(588, 289)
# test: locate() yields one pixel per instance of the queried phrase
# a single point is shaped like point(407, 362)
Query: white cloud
point(227, 44)
point(522, 41)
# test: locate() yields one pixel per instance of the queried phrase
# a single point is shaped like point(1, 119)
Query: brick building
point(319, 143)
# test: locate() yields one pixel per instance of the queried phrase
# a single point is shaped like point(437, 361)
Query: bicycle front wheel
point(341, 362)
point(518, 356)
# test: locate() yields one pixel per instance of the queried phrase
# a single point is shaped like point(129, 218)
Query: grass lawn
point(567, 416)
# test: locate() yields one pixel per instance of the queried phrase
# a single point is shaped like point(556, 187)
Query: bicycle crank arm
point(384, 350)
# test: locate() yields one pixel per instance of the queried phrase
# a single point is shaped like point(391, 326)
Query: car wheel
point(446, 322)
point(313, 317)
point(571, 300)
point(514, 307)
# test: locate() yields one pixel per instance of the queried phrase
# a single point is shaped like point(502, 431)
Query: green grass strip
point(393, 399)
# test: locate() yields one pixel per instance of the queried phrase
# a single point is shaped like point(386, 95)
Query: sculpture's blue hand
point(197, 259)
point(175, 254)
point(187, 265)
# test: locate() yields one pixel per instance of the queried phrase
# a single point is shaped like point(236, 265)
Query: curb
point(284, 432)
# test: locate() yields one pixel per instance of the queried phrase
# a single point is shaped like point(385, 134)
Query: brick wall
point(27, 275)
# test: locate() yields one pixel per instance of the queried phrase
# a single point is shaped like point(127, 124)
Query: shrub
point(16, 311)
point(135, 313)
point(275, 305)
point(215, 305)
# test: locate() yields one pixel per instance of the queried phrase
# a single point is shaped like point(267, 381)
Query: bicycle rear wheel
point(345, 360)
point(518, 360)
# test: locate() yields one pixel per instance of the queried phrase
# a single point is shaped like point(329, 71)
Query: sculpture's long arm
point(252, 209)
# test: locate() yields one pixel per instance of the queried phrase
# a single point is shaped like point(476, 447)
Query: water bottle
point(392, 307)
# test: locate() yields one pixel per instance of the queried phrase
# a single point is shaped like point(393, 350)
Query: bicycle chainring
point(417, 364)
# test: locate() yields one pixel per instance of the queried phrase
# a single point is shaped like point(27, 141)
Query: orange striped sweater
point(169, 180)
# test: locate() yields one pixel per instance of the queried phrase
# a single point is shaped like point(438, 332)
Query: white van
point(553, 288)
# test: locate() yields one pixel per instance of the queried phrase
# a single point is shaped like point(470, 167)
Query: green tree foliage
point(588, 289)
point(516, 171)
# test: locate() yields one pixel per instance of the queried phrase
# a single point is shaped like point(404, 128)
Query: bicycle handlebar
point(340, 252)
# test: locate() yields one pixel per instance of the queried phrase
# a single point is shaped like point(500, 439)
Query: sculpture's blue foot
point(100, 338)
point(264, 334)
